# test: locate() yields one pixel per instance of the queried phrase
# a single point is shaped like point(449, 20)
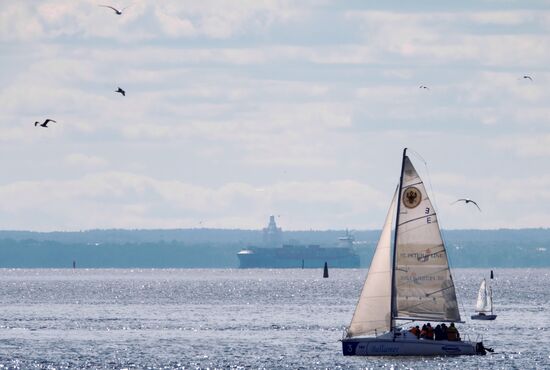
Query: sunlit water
point(238, 319)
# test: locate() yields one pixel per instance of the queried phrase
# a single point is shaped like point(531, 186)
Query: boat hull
point(409, 347)
point(483, 317)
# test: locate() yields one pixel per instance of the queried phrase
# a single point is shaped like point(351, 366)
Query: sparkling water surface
point(214, 318)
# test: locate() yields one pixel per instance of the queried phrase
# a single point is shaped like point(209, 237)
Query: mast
point(393, 306)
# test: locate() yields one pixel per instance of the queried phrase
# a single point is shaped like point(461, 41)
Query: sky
point(237, 110)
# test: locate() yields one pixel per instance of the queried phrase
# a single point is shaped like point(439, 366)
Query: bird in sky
point(44, 124)
point(118, 12)
point(467, 200)
point(119, 90)
point(423, 87)
point(527, 78)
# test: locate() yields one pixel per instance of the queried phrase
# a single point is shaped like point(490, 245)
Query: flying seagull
point(118, 12)
point(119, 90)
point(45, 123)
point(527, 77)
point(423, 87)
point(467, 200)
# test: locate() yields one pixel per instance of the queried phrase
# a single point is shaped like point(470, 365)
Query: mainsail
point(372, 313)
point(423, 286)
point(484, 299)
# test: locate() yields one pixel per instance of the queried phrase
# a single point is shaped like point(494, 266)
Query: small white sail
point(423, 285)
point(481, 305)
point(484, 298)
point(372, 313)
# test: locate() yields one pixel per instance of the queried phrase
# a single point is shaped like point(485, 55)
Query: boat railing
point(345, 333)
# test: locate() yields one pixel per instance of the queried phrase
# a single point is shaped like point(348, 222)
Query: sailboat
point(484, 305)
point(408, 280)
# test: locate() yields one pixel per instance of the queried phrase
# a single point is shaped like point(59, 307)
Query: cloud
point(17, 23)
point(121, 199)
point(79, 159)
point(309, 101)
point(444, 37)
point(507, 18)
point(524, 146)
point(143, 20)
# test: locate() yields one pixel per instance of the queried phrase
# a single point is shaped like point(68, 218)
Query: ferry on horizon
point(275, 254)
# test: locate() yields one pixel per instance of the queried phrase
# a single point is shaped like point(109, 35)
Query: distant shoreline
point(217, 248)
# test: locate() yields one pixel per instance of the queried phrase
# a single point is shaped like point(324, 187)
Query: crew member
point(415, 330)
point(429, 332)
point(423, 332)
point(452, 333)
point(443, 331)
point(438, 332)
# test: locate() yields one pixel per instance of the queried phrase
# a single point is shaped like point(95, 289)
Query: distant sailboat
point(408, 279)
point(484, 305)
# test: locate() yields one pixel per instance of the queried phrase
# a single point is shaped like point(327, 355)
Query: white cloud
point(524, 146)
point(79, 159)
point(174, 26)
point(16, 22)
point(308, 101)
point(508, 18)
point(143, 20)
point(445, 37)
point(117, 199)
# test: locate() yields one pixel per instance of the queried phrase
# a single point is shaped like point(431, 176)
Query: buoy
point(491, 274)
point(325, 271)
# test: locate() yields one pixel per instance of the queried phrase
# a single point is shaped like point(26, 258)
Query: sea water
point(242, 319)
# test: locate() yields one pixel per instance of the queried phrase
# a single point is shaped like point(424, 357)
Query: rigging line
point(412, 306)
point(440, 290)
point(416, 227)
point(421, 276)
point(413, 184)
point(425, 318)
point(416, 219)
point(371, 320)
point(416, 303)
point(417, 155)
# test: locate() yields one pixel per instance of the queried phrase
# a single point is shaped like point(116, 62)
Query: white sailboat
point(408, 280)
point(484, 305)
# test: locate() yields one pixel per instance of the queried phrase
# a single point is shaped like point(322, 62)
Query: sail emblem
point(425, 257)
point(411, 197)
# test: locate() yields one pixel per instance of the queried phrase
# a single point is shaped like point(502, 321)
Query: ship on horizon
point(275, 254)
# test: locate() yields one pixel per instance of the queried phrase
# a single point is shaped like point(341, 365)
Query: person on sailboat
point(452, 333)
point(424, 332)
point(429, 331)
point(443, 331)
point(438, 332)
point(415, 330)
